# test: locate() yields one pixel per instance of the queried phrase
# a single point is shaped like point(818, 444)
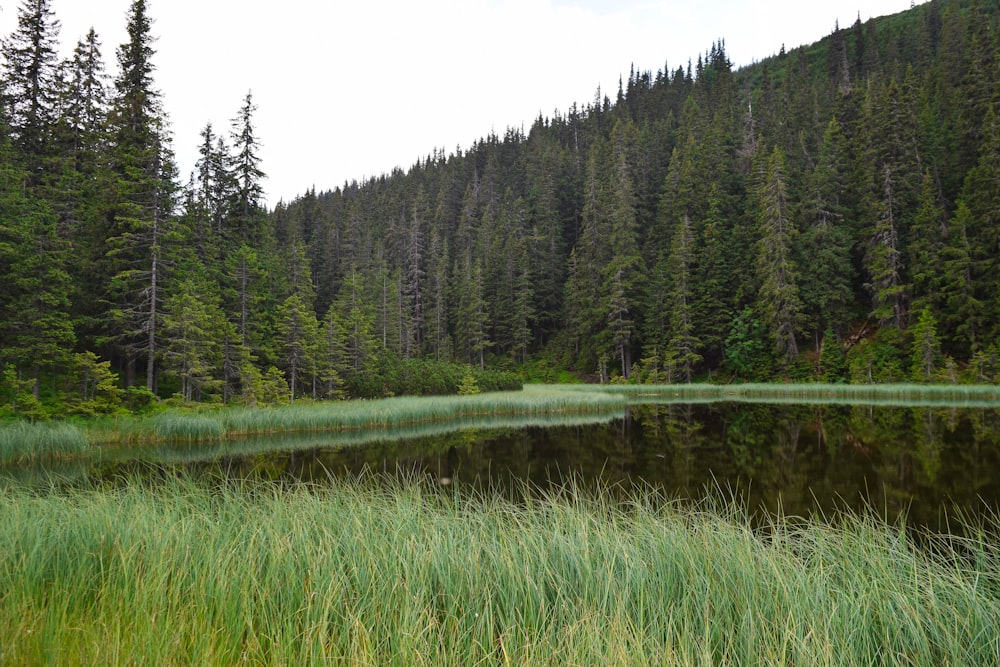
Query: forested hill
point(831, 212)
point(840, 197)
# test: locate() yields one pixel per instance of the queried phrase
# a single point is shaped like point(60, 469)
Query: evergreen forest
point(831, 213)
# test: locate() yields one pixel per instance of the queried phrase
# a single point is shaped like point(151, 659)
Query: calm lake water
point(927, 463)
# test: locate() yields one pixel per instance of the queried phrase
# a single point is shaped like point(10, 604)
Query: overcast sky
point(349, 90)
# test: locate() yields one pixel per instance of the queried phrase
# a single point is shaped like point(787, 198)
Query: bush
point(392, 376)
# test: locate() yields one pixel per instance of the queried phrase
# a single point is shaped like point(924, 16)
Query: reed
point(26, 442)
point(184, 452)
point(405, 410)
point(892, 394)
point(29, 442)
point(373, 573)
point(180, 427)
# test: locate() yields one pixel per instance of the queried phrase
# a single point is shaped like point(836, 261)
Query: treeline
point(120, 284)
point(830, 212)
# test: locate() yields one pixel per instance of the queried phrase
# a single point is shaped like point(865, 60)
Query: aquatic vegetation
point(814, 393)
point(25, 442)
point(175, 572)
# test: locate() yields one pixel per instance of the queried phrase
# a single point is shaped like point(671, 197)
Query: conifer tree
point(193, 350)
point(140, 230)
point(823, 247)
point(926, 348)
point(956, 286)
point(246, 177)
point(36, 332)
point(779, 296)
point(927, 238)
point(298, 333)
point(32, 83)
point(682, 348)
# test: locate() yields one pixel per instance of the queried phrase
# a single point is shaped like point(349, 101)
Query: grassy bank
point(874, 394)
point(368, 574)
point(24, 442)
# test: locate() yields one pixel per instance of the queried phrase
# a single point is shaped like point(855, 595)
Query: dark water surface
point(928, 464)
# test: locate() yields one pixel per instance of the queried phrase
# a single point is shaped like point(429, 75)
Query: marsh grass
point(335, 416)
point(30, 442)
point(370, 573)
point(915, 395)
point(183, 452)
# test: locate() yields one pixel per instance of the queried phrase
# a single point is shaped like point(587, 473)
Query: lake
point(928, 464)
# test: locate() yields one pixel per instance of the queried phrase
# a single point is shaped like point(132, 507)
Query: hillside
point(831, 213)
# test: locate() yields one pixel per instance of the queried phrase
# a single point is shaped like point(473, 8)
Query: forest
point(831, 213)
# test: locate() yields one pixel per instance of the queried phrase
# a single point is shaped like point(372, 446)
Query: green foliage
point(469, 385)
point(99, 391)
point(824, 186)
point(580, 577)
point(879, 359)
point(925, 355)
point(746, 349)
point(833, 365)
point(392, 376)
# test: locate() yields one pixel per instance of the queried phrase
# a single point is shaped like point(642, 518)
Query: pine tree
point(926, 348)
point(623, 274)
point(981, 193)
point(415, 276)
point(36, 332)
point(193, 351)
point(682, 347)
point(956, 285)
point(298, 333)
point(355, 320)
point(140, 230)
point(779, 297)
point(927, 237)
point(884, 259)
point(32, 83)
point(246, 174)
point(471, 338)
point(824, 244)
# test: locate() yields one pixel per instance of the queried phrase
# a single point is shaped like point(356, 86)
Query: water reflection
point(926, 463)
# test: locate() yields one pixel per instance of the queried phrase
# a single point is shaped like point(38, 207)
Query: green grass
point(369, 573)
point(914, 395)
point(186, 452)
point(27, 442)
point(332, 416)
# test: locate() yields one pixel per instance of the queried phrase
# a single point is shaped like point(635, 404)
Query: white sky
point(349, 90)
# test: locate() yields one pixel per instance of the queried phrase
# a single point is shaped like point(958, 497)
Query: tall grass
point(23, 442)
point(399, 411)
point(333, 416)
point(183, 452)
point(371, 574)
point(28, 442)
point(914, 395)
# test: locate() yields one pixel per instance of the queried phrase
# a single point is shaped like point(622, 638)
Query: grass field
point(370, 573)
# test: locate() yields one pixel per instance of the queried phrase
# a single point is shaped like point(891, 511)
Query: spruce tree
point(824, 245)
point(682, 347)
point(926, 348)
point(779, 299)
point(32, 83)
point(245, 225)
point(139, 234)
